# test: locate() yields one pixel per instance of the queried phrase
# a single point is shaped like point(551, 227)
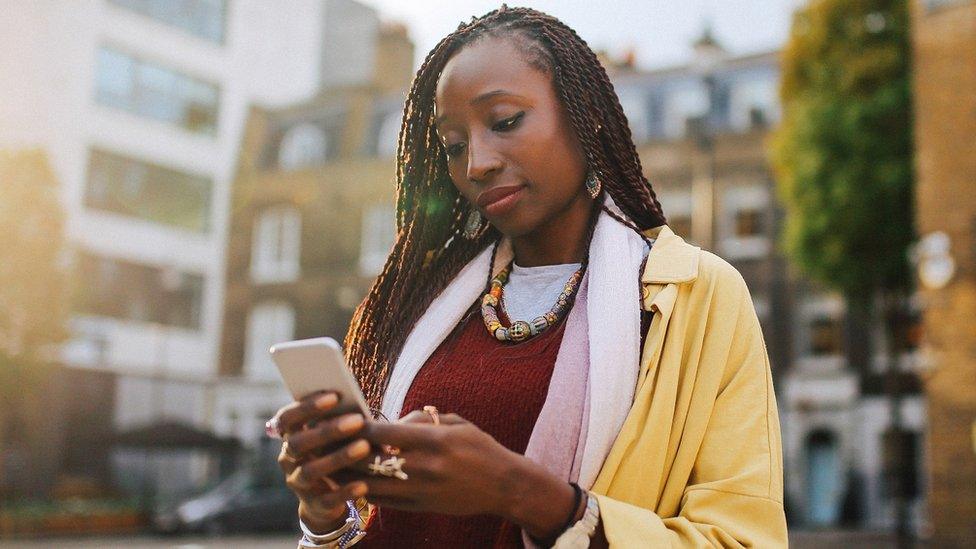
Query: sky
point(660, 31)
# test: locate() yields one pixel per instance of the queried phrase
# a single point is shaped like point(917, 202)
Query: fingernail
point(358, 449)
point(350, 423)
point(325, 402)
point(358, 489)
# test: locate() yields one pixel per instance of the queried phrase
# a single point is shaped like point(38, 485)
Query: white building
point(140, 105)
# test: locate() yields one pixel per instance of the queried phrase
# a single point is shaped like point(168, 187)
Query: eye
point(508, 123)
point(454, 149)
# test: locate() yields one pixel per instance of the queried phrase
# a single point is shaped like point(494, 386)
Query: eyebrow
point(482, 98)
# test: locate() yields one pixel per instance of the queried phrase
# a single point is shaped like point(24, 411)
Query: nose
point(483, 161)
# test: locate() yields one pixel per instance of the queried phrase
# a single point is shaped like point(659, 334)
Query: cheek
point(466, 189)
point(559, 168)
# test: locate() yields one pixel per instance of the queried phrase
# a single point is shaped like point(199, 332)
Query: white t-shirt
point(532, 291)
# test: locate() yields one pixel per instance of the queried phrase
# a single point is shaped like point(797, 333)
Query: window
point(932, 5)
point(379, 231)
point(754, 102)
point(635, 109)
point(147, 191)
point(130, 291)
point(677, 207)
point(275, 247)
point(682, 103)
point(302, 146)
point(825, 336)
point(749, 222)
point(267, 324)
point(202, 18)
point(156, 92)
point(389, 133)
point(743, 229)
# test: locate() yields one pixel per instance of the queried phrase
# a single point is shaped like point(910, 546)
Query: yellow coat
point(698, 461)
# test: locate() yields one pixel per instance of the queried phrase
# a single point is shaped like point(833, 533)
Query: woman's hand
point(456, 468)
point(315, 448)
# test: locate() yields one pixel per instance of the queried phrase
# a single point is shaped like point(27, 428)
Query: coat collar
point(671, 259)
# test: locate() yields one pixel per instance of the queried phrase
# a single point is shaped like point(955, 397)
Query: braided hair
point(429, 251)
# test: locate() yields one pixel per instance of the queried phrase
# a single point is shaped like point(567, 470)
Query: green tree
point(33, 289)
point(843, 157)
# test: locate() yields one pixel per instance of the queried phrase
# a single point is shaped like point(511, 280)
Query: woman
point(632, 407)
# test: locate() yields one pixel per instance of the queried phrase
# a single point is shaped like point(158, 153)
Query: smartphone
point(311, 365)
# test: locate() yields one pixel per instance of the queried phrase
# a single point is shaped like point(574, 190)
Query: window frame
point(276, 236)
point(135, 102)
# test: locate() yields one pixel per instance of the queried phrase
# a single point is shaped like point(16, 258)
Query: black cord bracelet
point(577, 498)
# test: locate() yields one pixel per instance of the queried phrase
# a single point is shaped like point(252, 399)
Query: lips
point(489, 197)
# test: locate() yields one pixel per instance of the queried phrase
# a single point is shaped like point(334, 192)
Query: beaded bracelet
point(346, 535)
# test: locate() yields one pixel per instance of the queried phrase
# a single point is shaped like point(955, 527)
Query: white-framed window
point(302, 146)
point(819, 334)
point(145, 88)
point(267, 324)
point(635, 108)
point(754, 100)
point(202, 18)
point(680, 104)
point(677, 206)
point(744, 225)
point(386, 144)
point(379, 231)
point(276, 245)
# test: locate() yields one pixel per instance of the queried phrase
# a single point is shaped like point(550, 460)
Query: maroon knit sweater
point(498, 386)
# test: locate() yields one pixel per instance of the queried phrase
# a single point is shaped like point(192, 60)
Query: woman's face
point(511, 148)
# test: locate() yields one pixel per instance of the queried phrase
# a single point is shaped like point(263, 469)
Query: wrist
point(539, 502)
point(320, 523)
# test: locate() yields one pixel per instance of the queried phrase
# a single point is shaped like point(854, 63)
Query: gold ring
point(433, 413)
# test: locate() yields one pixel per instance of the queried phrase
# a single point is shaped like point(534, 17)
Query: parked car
point(243, 502)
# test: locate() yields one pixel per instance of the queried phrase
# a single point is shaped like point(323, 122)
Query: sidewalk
point(833, 539)
point(278, 541)
point(846, 539)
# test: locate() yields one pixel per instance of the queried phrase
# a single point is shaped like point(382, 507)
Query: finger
point(416, 416)
point(324, 433)
point(295, 415)
point(420, 416)
point(285, 461)
point(332, 504)
point(332, 462)
point(452, 419)
point(380, 487)
point(403, 435)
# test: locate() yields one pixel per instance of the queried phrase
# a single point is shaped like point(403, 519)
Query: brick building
point(312, 216)
point(945, 133)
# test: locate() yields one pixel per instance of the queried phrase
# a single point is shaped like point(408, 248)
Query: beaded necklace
point(520, 330)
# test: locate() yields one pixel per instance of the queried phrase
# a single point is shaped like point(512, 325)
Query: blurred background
point(185, 182)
